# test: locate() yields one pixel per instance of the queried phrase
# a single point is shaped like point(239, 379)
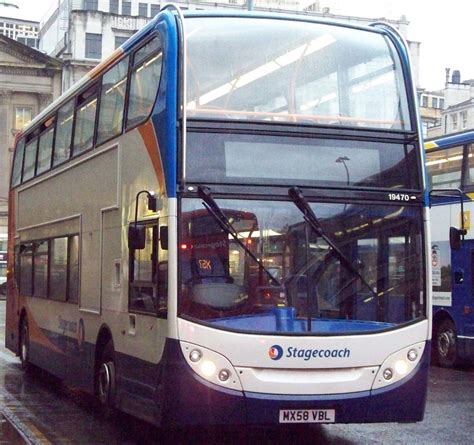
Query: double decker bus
point(450, 167)
point(225, 223)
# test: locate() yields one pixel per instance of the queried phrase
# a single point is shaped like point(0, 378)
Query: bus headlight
point(398, 365)
point(224, 375)
point(208, 368)
point(195, 355)
point(211, 366)
point(412, 355)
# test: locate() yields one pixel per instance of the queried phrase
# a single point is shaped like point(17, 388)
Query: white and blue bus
point(450, 166)
point(225, 223)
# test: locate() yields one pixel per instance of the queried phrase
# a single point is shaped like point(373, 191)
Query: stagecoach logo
point(275, 352)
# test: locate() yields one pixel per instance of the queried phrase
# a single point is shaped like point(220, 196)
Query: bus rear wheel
point(446, 345)
point(24, 344)
point(105, 377)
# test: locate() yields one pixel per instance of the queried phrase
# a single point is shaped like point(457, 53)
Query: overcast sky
point(443, 28)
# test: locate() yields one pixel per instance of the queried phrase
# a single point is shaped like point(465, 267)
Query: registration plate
point(307, 415)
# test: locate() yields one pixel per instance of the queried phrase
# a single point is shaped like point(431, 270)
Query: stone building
point(13, 24)
point(29, 81)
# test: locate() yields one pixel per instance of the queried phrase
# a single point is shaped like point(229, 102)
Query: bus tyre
point(24, 344)
point(446, 353)
point(105, 378)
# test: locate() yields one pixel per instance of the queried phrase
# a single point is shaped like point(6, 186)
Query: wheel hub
point(105, 382)
point(445, 342)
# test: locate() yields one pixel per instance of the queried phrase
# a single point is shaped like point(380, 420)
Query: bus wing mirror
point(456, 237)
point(136, 237)
point(164, 237)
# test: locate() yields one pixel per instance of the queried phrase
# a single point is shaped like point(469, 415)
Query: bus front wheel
point(446, 353)
point(105, 377)
point(24, 344)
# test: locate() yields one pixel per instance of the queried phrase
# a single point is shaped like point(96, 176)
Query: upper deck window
point(293, 71)
point(445, 167)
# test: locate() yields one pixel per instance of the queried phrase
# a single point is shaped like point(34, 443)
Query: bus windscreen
point(310, 73)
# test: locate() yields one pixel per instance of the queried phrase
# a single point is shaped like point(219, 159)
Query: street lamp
point(342, 160)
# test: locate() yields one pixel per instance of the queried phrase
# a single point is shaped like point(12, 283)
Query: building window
point(441, 103)
point(119, 41)
point(143, 9)
point(126, 8)
point(114, 9)
point(32, 43)
point(154, 9)
point(424, 101)
point(434, 102)
point(91, 5)
point(93, 46)
point(464, 119)
point(23, 116)
point(454, 121)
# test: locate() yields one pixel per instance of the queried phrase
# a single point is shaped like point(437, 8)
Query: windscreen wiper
point(213, 208)
point(299, 200)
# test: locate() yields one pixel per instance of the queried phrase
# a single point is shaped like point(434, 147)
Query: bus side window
point(18, 163)
point(30, 159)
point(86, 109)
point(148, 275)
point(26, 269)
point(62, 143)
point(145, 81)
point(45, 148)
point(112, 99)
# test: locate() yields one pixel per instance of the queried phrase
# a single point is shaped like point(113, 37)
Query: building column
point(5, 110)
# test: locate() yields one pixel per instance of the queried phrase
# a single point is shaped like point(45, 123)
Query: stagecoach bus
point(224, 223)
point(449, 161)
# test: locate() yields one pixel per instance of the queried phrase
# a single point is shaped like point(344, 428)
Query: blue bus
point(225, 223)
point(450, 169)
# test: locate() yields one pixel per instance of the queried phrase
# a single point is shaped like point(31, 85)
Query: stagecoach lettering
point(66, 325)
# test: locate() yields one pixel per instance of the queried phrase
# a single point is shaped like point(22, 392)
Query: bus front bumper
point(192, 401)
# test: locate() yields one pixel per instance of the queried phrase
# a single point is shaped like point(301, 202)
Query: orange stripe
point(102, 66)
point(147, 131)
point(36, 333)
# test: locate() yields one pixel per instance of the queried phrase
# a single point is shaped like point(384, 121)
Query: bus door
point(462, 261)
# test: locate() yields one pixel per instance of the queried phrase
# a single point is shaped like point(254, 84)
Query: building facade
point(457, 111)
point(14, 25)
point(29, 81)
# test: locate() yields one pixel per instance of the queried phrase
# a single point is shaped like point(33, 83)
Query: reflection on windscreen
point(309, 73)
point(293, 281)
